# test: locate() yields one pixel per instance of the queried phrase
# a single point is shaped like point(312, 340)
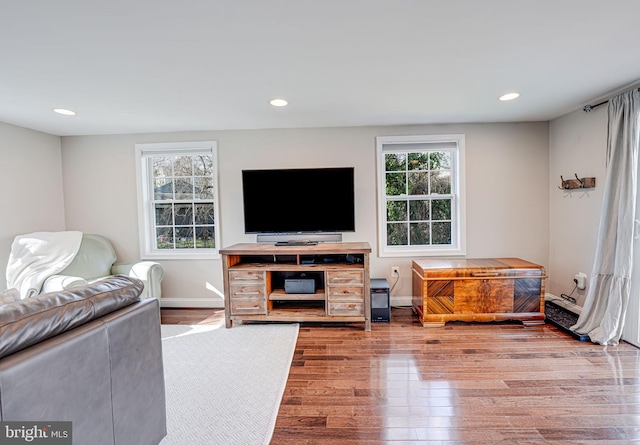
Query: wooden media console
point(255, 275)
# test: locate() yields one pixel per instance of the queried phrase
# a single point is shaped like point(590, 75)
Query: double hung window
point(421, 195)
point(178, 200)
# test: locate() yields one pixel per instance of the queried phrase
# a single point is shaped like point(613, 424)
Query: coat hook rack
point(578, 183)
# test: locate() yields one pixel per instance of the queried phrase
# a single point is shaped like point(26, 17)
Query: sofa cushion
point(30, 321)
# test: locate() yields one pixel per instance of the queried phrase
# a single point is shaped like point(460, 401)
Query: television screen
point(299, 200)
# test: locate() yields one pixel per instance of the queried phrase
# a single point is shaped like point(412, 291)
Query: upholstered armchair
point(96, 259)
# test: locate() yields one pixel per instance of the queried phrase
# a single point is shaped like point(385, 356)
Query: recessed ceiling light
point(509, 96)
point(65, 112)
point(279, 103)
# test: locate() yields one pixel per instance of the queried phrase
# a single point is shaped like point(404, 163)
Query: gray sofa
point(91, 355)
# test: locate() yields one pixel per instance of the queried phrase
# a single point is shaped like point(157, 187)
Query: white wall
point(577, 145)
point(514, 206)
point(507, 191)
point(30, 186)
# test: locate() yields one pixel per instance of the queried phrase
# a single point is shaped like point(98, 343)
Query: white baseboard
point(191, 303)
point(401, 301)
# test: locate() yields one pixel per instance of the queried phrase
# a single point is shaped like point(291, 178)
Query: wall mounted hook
point(578, 183)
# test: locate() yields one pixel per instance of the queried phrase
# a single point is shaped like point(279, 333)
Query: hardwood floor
point(489, 383)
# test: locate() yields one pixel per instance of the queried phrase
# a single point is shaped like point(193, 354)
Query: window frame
point(454, 143)
point(146, 211)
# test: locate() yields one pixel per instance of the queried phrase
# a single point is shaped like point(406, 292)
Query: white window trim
point(145, 206)
point(459, 246)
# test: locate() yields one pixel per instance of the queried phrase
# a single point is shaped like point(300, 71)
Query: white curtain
point(604, 310)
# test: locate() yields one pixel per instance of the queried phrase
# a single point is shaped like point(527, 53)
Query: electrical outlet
point(395, 271)
point(581, 280)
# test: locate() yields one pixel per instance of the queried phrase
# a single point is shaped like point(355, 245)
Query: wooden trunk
point(485, 289)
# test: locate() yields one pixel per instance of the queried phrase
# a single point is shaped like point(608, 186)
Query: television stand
point(254, 275)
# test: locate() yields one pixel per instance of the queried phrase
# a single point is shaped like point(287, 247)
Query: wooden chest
point(484, 289)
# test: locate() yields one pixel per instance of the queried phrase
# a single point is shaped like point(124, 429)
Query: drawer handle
point(485, 274)
point(247, 293)
point(344, 279)
point(338, 294)
point(251, 278)
point(251, 308)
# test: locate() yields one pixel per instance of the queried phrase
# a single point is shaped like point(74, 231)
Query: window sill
point(173, 255)
point(405, 251)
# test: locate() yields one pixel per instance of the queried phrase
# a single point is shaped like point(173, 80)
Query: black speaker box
point(299, 286)
point(380, 296)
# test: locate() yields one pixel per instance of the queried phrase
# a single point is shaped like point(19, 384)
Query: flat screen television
point(305, 200)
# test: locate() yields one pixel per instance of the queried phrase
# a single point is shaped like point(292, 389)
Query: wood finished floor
point(403, 384)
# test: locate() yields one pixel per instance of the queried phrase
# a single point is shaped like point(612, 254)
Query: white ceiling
point(139, 66)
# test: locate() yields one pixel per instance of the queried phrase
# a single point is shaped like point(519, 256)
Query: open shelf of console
point(254, 277)
point(282, 295)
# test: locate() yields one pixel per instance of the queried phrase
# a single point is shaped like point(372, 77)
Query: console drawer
point(345, 308)
point(248, 292)
point(246, 276)
point(249, 307)
point(345, 277)
point(345, 293)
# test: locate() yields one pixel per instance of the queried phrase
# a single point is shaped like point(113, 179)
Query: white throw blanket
point(36, 256)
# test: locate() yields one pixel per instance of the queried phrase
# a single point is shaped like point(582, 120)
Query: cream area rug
point(224, 386)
